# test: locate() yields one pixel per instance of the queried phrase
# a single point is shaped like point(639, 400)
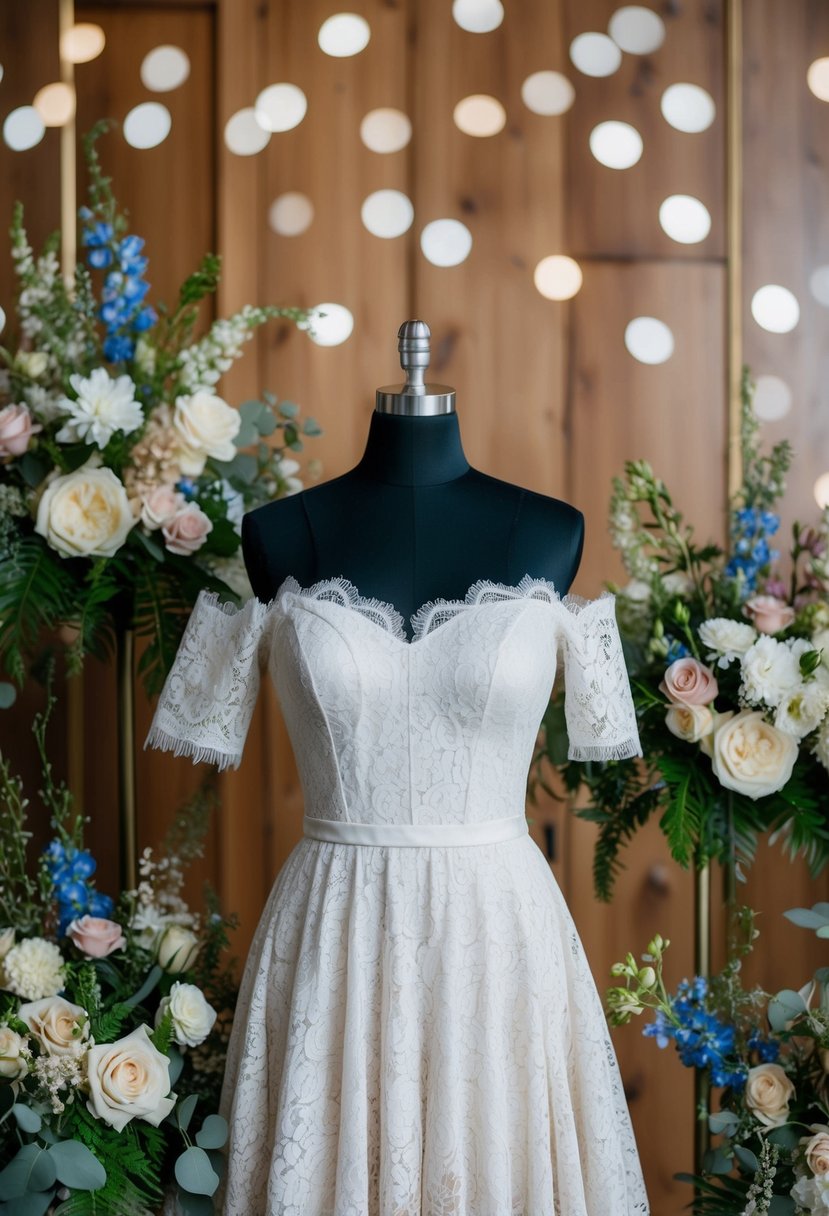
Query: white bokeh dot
point(480, 115)
point(446, 242)
point(595, 54)
point(385, 130)
point(147, 125)
point(637, 30)
point(291, 214)
point(244, 134)
point(617, 145)
point(23, 128)
point(332, 329)
point(2, 320)
point(817, 78)
point(687, 107)
point(772, 398)
point(387, 213)
point(557, 277)
point(343, 35)
point(684, 219)
point(55, 103)
point(775, 308)
point(547, 93)
point(478, 16)
point(821, 490)
point(82, 42)
point(164, 68)
point(819, 285)
point(280, 107)
point(649, 340)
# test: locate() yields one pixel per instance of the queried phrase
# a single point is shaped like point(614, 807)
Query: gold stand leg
point(125, 677)
point(702, 966)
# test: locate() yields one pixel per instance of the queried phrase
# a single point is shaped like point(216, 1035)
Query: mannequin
point(412, 521)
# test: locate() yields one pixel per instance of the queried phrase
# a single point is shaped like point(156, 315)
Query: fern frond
point(37, 591)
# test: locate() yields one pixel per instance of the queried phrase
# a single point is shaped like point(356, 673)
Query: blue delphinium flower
point(118, 348)
point(701, 1039)
point(767, 1050)
point(750, 530)
point(69, 869)
point(676, 650)
point(187, 487)
point(122, 308)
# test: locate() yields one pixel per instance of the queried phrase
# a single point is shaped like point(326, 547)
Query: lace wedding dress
point(417, 1032)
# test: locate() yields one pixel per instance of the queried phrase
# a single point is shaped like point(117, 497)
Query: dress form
point(412, 521)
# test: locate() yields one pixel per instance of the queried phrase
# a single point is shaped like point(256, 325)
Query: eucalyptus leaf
point(250, 411)
point(217, 1160)
point(786, 1136)
point(746, 1158)
point(195, 1205)
point(152, 546)
point(808, 918)
point(31, 1170)
point(8, 695)
point(213, 1132)
point(176, 1064)
point(145, 989)
point(184, 1113)
point(288, 409)
point(195, 1173)
point(28, 1120)
point(782, 1205)
point(722, 1120)
point(34, 467)
point(785, 1006)
point(33, 1203)
point(77, 1166)
point(242, 467)
point(246, 435)
point(266, 423)
point(716, 1162)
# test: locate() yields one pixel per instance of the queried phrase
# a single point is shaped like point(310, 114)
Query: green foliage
point(37, 592)
point(132, 1161)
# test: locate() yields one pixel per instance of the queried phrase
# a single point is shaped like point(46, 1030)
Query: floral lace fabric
point(418, 1032)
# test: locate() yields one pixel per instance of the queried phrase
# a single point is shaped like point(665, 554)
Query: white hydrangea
point(770, 671)
point(103, 407)
point(34, 968)
point(726, 639)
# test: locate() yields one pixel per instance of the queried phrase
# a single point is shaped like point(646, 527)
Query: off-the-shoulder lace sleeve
point(598, 704)
point(207, 701)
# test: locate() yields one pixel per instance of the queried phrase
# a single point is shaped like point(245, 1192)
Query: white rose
point(85, 513)
point(177, 949)
point(6, 941)
point(13, 1055)
point(206, 426)
point(192, 1016)
point(61, 1028)
point(689, 722)
point(768, 1092)
point(770, 671)
point(129, 1079)
point(816, 1150)
point(726, 639)
point(751, 756)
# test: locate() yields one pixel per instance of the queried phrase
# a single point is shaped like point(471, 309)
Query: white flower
point(802, 711)
point(678, 582)
point(689, 722)
point(177, 949)
point(144, 357)
point(103, 407)
point(129, 1079)
point(85, 513)
point(812, 1195)
point(32, 363)
point(206, 426)
point(820, 641)
point(635, 589)
point(45, 405)
point(192, 1016)
point(751, 756)
point(771, 670)
point(61, 1028)
point(821, 748)
point(14, 1055)
point(726, 638)
point(148, 923)
point(768, 1092)
point(34, 968)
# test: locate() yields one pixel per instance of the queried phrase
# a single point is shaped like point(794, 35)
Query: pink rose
point(95, 936)
point(16, 429)
point(160, 505)
point(768, 614)
point(689, 682)
point(187, 531)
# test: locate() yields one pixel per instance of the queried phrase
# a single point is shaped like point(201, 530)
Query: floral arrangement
point(114, 1019)
point(770, 1055)
point(123, 474)
point(729, 668)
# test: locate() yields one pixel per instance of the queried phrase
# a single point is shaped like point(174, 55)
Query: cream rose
point(187, 531)
point(13, 1055)
point(689, 682)
point(177, 949)
point(751, 756)
point(768, 1092)
point(61, 1028)
point(206, 426)
point(768, 614)
point(129, 1079)
point(85, 513)
point(191, 1014)
point(689, 722)
point(95, 936)
point(160, 505)
point(16, 430)
point(816, 1150)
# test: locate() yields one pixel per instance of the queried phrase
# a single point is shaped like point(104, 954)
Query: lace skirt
point(418, 1034)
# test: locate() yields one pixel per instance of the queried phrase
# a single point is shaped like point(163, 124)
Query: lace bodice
point(437, 729)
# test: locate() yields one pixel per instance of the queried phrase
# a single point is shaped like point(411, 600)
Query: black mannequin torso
point(412, 522)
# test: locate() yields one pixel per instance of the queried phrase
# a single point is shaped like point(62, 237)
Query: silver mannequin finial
point(415, 396)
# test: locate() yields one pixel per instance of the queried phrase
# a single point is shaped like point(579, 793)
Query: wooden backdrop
point(547, 394)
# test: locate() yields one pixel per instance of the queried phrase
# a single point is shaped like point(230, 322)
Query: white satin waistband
point(487, 831)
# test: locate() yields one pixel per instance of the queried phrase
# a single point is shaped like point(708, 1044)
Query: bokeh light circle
point(82, 42)
point(775, 308)
point(387, 213)
point(244, 134)
point(280, 107)
point(595, 54)
point(385, 130)
point(291, 214)
point(637, 30)
point(557, 277)
point(772, 398)
point(343, 35)
point(817, 78)
point(331, 330)
point(147, 125)
point(617, 145)
point(480, 115)
point(547, 93)
point(446, 242)
point(55, 103)
point(684, 219)
point(478, 16)
point(687, 107)
point(23, 128)
point(819, 285)
point(164, 68)
point(649, 340)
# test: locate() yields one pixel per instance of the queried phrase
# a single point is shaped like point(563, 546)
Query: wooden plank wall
point(548, 397)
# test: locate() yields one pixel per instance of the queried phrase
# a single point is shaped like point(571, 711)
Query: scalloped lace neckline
point(431, 615)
